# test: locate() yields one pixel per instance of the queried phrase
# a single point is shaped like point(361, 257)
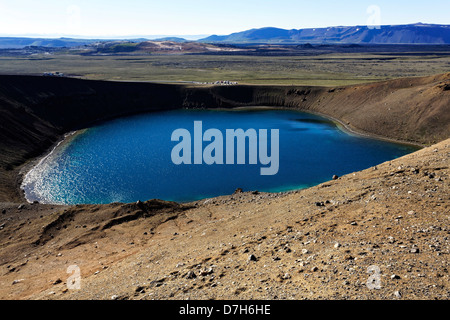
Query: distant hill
point(393, 34)
point(21, 42)
point(175, 46)
point(173, 39)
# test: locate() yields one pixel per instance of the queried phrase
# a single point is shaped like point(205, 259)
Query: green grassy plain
point(322, 70)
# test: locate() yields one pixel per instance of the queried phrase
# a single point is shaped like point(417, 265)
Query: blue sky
point(203, 17)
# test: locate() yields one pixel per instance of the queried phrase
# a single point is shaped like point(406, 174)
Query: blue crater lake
point(129, 159)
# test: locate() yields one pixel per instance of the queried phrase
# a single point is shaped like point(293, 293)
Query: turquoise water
point(129, 159)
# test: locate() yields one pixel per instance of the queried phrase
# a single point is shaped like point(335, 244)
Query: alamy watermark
point(74, 281)
point(224, 151)
point(374, 281)
point(374, 19)
point(73, 18)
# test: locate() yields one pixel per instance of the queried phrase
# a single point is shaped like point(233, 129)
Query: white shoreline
point(41, 160)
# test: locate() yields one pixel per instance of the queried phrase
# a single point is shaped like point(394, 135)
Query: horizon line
point(186, 36)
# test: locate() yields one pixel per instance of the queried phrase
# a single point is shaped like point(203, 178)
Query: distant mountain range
point(21, 42)
point(394, 34)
